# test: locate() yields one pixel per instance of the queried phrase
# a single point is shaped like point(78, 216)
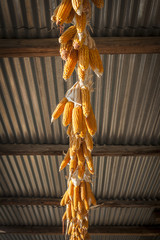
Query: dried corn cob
point(81, 22)
point(89, 141)
point(80, 206)
point(70, 17)
point(64, 216)
point(86, 205)
point(73, 211)
point(68, 210)
point(67, 114)
point(77, 5)
point(68, 34)
point(53, 17)
point(70, 228)
point(77, 43)
point(86, 105)
point(71, 190)
point(65, 49)
point(91, 123)
point(62, 202)
point(95, 61)
point(65, 161)
point(76, 197)
point(98, 3)
point(90, 166)
point(84, 128)
point(59, 109)
point(69, 130)
point(83, 56)
point(86, 152)
point(70, 64)
point(73, 164)
point(77, 120)
point(81, 170)
point(80, 156)
point(75, 143)
point(83, 190)
point(90, 194)
point(63, 11)
point(81, 74)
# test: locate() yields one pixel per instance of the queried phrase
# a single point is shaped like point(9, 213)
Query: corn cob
point(83, 56)
point(73, 211)
point(80, 156)
point(63, 11)
point(75, 143)
point(70, 64)
point(71, 190)
point(70, 228)
point(67, 114)
point(64, 216)
point(98, 3)
point(69, 130)
point(81, 170)
point(53, 17)
point(86, 105)
point(86, 152)
point(80, 206)
point(65, 161)
point(65, 49)
point(68, 34)
point(59, 109)
point(85, 223)
point(72, 154)
point(68, 210)
point(91, 123)
point(73, 164)
point(81, 22)
point(86, 205)
point(77, 6)
point(83, 190)
point(62, 202)
point(90, 164)
point(100, 65)
point(90, 194)
point(95, 61)
point(77, 43)
point(81, 74)
point(84, 128)
point(77, 120)
point(89, 141)
point(70, 17)
point(76, 197)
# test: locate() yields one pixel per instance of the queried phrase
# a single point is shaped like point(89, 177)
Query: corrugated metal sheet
point(48, 216)
point(31, 19)
point(38, 176)
point(126, 100)
point(61, 237)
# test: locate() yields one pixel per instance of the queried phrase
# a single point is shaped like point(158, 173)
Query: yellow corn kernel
point(71, 190)
point(81, 170)
point(75, 143)
point(67, 114)
point(89, 141)
point(81, 74)
point(91, 123)
point(81, 22)
point(98, 3)
point(76, 197)
point(73, 211)
point(83, 56)
point(64, 216)
point(68, 34)
point(63, 11)
point(77, 120)
point(65, 49)
point(68, 210)
point(77, 43)
point(77, 6)
point(80, 156)
point(86, 104)
point(84, 128)
point(69, 130)
point(70, 64)
point(59, 109)
point(86, 205)
point(73, 164)
point(65, 160)
point(83, 190)
point(70, 17)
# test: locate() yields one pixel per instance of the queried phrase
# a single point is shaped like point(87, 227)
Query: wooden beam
point(100, 203)
point(156, 216)
point(105, 45)
point(96, 230)
point(106, 150)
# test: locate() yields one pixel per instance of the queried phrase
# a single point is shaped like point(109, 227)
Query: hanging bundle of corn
point(76, 46)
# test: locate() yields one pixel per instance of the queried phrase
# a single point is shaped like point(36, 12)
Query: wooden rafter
point(105, 45)
point(106, 150)
point(101, 203)
point(96, 230)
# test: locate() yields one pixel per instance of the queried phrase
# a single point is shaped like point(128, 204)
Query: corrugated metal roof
point(38, 176)
point(125, 101)
point(31, 19)
point(51, 216)
point(61, 237)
